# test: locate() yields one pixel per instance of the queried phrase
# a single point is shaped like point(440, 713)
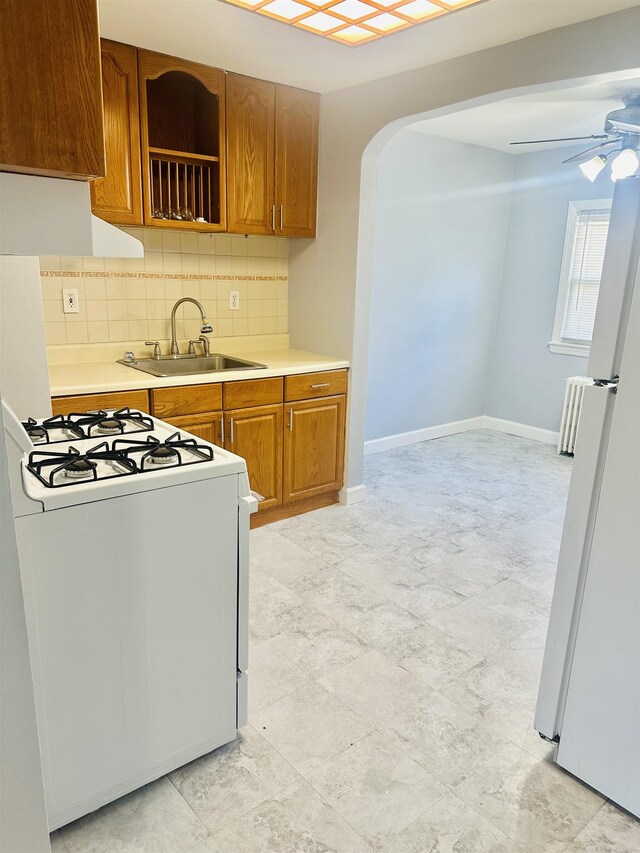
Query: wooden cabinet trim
point(179, 400)
point(253, 392)
point(155, 64)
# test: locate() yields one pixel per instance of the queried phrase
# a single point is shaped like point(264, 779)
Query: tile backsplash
point(130, 300)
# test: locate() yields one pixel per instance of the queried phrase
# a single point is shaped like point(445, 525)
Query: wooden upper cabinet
point(182, 118)
point(50, 94)
point(251, 109)
point(118, 196)
point(272, 149)
point(296, 163)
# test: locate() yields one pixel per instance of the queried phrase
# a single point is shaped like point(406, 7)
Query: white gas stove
point(89, 456)
point(133, 540)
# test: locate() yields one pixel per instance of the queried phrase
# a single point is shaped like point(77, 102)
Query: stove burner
point(79, 469)
point(151, 453)
point(119, 422)
point(78, 425)
point(163, 455)
point(67, 468)
point(36, 433)
point(108, 426)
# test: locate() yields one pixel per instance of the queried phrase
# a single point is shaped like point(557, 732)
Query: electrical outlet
point(234, 300)
point(70, 301)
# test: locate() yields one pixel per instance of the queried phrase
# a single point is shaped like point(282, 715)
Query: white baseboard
point(513, 428)
point(377, 445)
point(353, 495)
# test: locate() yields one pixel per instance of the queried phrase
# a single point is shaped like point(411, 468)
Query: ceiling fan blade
point(561, 139)
point(625, 126)
point(603, 148)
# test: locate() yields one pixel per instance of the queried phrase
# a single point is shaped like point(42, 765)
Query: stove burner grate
point(56, 470)
point(40, 433)
point(152, 453)
point(102, 423)
point(37, 433)
point(80, 425)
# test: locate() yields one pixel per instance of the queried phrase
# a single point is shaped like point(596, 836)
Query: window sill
point(564, 348)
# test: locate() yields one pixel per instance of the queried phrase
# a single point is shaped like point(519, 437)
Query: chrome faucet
point(206, 326)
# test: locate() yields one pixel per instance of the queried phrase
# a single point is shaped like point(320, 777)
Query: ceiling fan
point(621, 137)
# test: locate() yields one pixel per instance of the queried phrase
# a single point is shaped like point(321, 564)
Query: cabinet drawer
point(186, 400)
point(91, 402)
point(253, 392)
point(305, 386)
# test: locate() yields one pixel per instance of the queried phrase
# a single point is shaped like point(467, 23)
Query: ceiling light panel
point(354, 22)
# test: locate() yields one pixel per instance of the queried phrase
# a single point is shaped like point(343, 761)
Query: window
point(584, 244)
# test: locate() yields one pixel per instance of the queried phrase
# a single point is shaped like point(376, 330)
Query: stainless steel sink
point(187, 365)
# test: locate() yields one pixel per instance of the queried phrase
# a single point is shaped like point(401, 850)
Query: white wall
point(330, 285)
point(440, 230)
point(24, 376)
point(527, 380)
point(467, 254)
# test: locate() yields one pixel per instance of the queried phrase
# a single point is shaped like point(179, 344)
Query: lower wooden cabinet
point(256, 435)
point(313, 447)
point(291, 433)
point(208, 426)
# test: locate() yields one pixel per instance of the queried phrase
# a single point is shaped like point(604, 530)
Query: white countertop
point(100, 376)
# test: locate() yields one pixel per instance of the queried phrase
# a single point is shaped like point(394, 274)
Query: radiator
point(571, 413)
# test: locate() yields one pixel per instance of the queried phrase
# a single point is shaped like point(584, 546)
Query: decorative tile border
point(161, 275)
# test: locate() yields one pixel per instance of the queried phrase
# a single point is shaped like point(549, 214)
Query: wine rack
point(182, 112)
point(185, 189)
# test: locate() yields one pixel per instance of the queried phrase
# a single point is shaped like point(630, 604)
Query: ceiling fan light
point(592, 168)
point(624, 165)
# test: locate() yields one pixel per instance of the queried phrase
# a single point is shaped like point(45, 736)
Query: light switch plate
point(70, 301)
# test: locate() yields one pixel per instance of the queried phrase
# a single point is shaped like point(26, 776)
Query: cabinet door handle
point(231, 430)
point(290, 420)
point(222, 430)
point(273, 217)
point(281, 215)
point(320, 385)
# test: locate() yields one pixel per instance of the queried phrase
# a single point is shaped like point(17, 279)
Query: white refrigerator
point(589, 697)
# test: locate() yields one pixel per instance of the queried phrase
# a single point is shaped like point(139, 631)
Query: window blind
point(584, 276)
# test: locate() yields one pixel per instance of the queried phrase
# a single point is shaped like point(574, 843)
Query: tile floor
point(396, 650)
